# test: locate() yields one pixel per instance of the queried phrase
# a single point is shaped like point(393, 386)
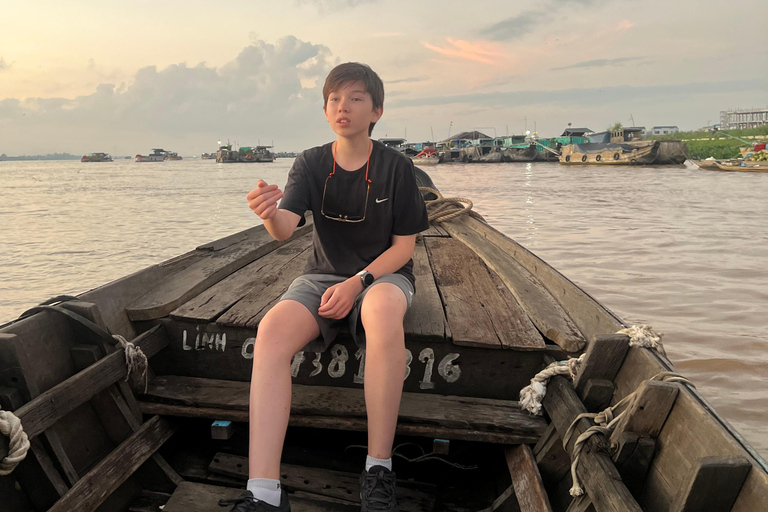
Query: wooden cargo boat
point(599, 153)
point(743, 166)
point(487, 317)
point(706, 164)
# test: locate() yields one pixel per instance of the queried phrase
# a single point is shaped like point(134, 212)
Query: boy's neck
point(352, 149)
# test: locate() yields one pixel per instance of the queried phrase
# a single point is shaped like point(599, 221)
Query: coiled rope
point(10, 426)
point(135, 360)
point(445, 208)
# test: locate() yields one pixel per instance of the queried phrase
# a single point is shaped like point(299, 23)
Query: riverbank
point(718, 145)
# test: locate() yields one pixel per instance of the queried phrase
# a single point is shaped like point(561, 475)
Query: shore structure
point(496, 337)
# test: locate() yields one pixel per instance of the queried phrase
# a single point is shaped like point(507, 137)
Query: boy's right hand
point(263, 199)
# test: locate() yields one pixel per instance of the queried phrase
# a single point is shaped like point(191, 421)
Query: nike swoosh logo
point(381, 200)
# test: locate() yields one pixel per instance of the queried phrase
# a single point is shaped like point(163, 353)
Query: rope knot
point(135, 360)
point(10, 426)
point(644, 336)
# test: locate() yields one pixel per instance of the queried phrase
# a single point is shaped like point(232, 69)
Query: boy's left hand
point(337, 301)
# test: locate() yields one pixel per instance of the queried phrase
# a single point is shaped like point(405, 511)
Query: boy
point(367, 210)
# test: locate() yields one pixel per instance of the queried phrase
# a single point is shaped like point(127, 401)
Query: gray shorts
point(308, 290)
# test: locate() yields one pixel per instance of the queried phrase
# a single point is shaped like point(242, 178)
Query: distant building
point(743, 118)
point(664, 130)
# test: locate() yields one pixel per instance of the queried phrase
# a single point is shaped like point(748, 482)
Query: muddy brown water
point(680, 249)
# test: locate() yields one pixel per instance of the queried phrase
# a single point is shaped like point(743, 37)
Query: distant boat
point(158, 155)
point(172, 156)
point(710, 164)
point(601, 153)
point(743, 166)
point(97, 157)
point(208, 156)
point(426, 157)
point(256, 154)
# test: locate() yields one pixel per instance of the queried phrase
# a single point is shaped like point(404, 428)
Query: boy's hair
point(355, 72)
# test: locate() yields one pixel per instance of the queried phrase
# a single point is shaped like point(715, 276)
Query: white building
point(663, 130)
point(743, 118)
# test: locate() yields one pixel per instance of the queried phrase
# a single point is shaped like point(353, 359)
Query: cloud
point(599, 63)
point(258, 94)
point(332, 5)
point(588, 97)
point(407, 80)
point(481, 51)
point(3, 65)
point(514, 27)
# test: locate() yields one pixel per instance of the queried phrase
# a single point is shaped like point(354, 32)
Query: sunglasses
point(345, 217)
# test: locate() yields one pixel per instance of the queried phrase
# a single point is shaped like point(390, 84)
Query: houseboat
point(97, 157)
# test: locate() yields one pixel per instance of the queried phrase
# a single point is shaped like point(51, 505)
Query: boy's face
point(350, 110)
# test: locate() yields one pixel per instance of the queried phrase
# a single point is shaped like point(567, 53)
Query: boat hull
point(609, 154)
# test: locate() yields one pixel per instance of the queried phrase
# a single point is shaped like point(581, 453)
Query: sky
point(126, 76)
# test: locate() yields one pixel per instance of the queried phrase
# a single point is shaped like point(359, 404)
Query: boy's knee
point(385, 303)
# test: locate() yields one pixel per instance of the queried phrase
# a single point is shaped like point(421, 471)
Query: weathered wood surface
point(648, 411)
point(149, 501)
point(43, 411)
point(596, 470)
point(526, 479)
point(551, 458)
point(481, 311)
point(192, 497)
point(425, 318)
point(690, 433)
point(713, 485)
point(435, 230)
point(189, 282)
point(323, 482)
point(210, 304)
point(591, 317)
point(632, 455)
point(92, 490)
point(540, 306)
point(603, 359)
point(455, 416)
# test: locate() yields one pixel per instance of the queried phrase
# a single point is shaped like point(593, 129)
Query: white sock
point(266, 490)
point(371, 461)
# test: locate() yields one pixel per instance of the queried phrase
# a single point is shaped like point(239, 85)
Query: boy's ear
point(378, 112)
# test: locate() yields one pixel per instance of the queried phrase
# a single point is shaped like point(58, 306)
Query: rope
point(532, 395)
point(644, 336)
point(10, 426)
point(135, 360)
point(606, 424)
point(445, 208)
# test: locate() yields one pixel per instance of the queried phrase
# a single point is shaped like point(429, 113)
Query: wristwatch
point(366, 278)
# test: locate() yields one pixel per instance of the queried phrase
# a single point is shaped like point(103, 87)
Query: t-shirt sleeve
point(410, 213)
point(296, 197)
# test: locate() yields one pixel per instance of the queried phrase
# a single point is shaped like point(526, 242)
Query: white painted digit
point(184, 340)
point(317, 364)
point(447, 370)
point(408, 360)
point(427, 356)
point(296, 361)
point(360, 376)
point(250, 342)
point(338, 364)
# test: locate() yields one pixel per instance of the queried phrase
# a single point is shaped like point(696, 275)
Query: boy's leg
point(382, 312)
point(283, 331)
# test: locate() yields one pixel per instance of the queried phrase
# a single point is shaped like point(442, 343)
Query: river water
point(677, 248)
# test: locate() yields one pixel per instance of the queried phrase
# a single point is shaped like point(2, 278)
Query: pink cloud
point(480, 51)
point(625, 25)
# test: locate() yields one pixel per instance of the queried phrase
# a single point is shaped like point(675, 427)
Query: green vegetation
point(616, 127)
point(49, 156)
point(716, 145)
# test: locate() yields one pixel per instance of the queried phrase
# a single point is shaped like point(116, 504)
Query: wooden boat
point(743, 166)
point(158, 155)
point(97, 157)
point(706, 165)
point(598, 153)
point(487, 317)
point(426, 157)
point(670, 152)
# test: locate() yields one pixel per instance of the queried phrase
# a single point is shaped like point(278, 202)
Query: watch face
point(368, 279)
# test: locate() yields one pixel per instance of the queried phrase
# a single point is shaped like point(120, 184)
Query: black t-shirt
point(394, 207)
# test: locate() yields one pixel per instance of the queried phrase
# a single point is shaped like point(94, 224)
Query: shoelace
point(384, 489)
point(242, 500)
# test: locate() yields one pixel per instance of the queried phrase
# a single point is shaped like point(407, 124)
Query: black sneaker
point(377, 490)
point(246, 503)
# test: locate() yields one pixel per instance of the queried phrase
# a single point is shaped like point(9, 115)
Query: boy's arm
point(393, 259)
point(263, 202)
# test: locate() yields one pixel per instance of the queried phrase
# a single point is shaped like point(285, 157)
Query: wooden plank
point(713, 485)
point(481, 311)
point(426, 317)
point(463, 416)
point(590, 317)
point(648, 411)
point(435, 230)
point(551, 458)
point(249, 310)
point(323, 482)
point(633, 455)
point(537, 302)
point(211, 303)
point(91, 491)
point(597, 394)
point(42, 412)
point(596, 470)
point(149, 501)
point(603, 360)
point(119, 422)
point(529, 488)
point(181, 287)
point(192, 497)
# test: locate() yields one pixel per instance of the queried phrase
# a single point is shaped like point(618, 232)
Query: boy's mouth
point(342, 120)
